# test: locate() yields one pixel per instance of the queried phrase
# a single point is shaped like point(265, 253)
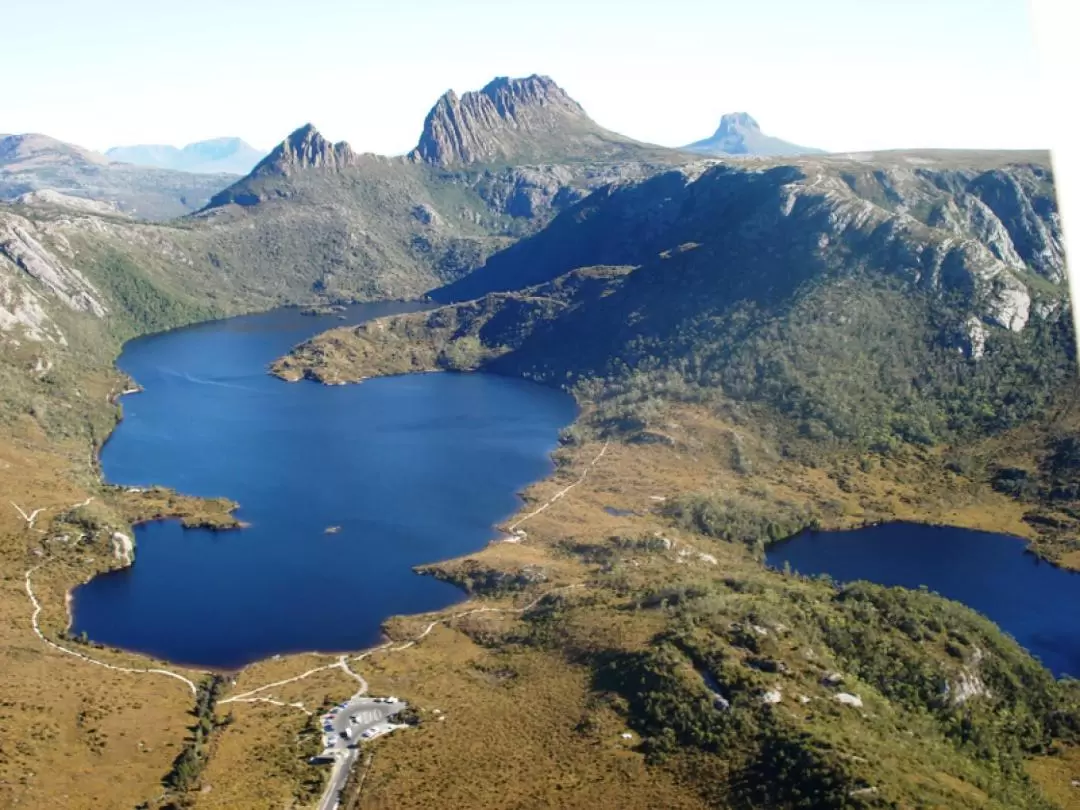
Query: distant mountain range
point(32, 163)
point(739, 134)
point(215, 156)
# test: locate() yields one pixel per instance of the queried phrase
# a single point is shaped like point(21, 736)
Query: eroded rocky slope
point(871, 301)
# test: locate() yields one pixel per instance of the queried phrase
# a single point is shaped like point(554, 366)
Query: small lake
point(413, 470)
point(1031, 600)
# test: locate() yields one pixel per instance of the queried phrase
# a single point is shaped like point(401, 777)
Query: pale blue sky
point(838, 74)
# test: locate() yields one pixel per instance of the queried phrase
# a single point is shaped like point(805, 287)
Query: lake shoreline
point(193, 509)
point(986, 571)
point(846, 525)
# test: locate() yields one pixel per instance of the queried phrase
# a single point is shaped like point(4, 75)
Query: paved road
point(365, 718)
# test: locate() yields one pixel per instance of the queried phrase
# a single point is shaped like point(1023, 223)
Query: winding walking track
point(342, 662)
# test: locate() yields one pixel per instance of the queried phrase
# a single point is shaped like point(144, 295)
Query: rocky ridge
point(954, 227)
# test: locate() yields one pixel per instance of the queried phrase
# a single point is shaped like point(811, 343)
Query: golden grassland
point(521, 726)
point(510, 736)
point(72, 735)
point(257, 761)
point(1058, 776)
point(1027, 447)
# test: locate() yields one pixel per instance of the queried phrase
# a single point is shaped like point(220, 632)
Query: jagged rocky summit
point(306, 148)
point(531, 118)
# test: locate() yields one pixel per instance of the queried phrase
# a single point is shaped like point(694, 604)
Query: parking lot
point(357, 720)
point(345, 727)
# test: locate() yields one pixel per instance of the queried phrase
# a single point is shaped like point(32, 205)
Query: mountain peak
point(736, 122)
point(507, 118)
point(306, 148)
point(739, 134)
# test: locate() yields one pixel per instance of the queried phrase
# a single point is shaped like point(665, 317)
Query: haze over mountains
point(33, 163)
point(739, 134)
point(215, 156)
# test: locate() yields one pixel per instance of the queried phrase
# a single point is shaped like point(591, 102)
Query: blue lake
point(1033, 601)
point(413, 470)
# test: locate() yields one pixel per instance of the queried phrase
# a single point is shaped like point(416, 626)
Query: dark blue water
point(413, 469)
point(1033, 601)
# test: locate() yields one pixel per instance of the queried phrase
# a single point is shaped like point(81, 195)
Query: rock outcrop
point(48, 198)
point(529, 191)
point(19, 245)
point(22, 311)
point(123, 549)
point(305, 153)
point(531, 119)
point(30, 274)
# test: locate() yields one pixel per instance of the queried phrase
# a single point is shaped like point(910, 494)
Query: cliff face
point(31, 279)
point(529, 119)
